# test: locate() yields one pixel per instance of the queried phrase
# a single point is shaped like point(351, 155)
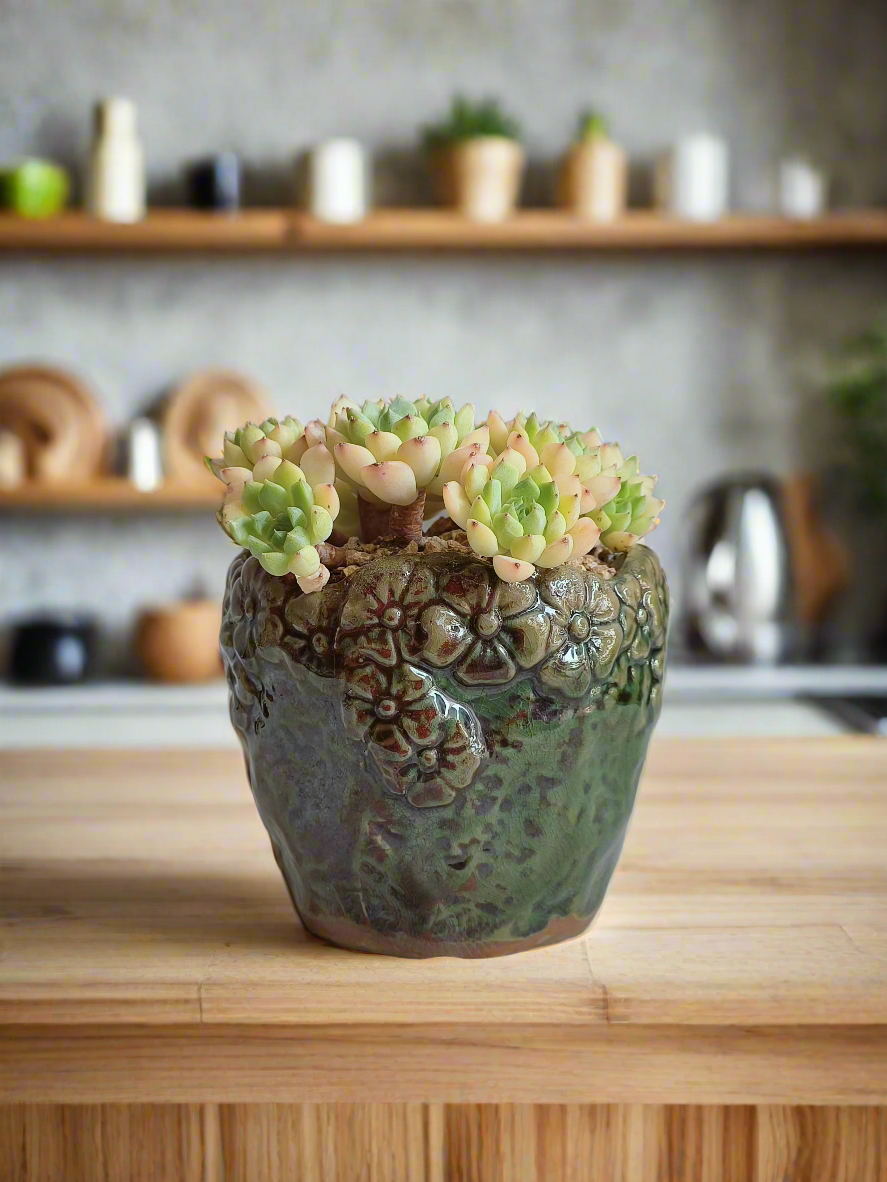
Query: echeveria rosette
point(391, 452)
point(280, 512)
point(520, 513)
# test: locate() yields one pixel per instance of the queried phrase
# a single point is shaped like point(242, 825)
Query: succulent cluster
point(549, 494)
point(529, 493)
point(280, 511)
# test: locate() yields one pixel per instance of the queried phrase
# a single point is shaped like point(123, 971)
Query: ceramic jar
point(593, 181)
point(692, 179)
point(479, 177)
point(337, 181)
point(446, 763)
point(178, 643)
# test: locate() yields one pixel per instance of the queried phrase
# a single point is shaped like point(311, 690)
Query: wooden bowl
point(180, 643)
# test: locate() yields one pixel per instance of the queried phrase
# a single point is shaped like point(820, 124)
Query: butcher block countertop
point(150, 951)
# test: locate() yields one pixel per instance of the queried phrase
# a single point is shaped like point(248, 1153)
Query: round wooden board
point(196, 414)
point(57, 418)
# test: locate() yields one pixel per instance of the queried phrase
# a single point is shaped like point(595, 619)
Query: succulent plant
point(591, 125)
point(528, 492)
point(526, 507)
point(396, 453)
point(279, 511)
point(469, 120)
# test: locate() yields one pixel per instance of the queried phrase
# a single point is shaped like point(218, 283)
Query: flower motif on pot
point(311, 625)
point(433, 775)
point(256, 610)
point(489, 629)
point(643, 608)
point(247, 627)
point(587, 628)
point(425, 746)
point(379, 616)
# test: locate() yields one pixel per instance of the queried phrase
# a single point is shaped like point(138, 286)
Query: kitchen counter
point(714, 701)
point(152, 968)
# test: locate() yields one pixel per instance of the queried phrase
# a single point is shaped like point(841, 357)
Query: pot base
point(344, 933)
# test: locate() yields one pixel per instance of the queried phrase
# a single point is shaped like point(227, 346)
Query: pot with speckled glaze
point(446, 763)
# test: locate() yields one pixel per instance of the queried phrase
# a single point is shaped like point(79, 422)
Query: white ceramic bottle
point(116, 186)
point(337, 181)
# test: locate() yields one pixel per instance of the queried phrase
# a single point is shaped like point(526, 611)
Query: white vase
point(116, 181)
point(337, 181)
point(802, 189)
point(692, 178)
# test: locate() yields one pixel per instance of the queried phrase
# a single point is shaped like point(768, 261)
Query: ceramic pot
point(480, 177)
point(593, 182)
point(179, 643)
point(446, 763)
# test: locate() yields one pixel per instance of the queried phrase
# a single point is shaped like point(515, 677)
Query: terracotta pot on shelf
point(593, 180)
point(446, 763)
point(479, 177)
point(180, 643)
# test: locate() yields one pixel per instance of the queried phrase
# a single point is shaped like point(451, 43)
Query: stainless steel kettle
point(738, 592)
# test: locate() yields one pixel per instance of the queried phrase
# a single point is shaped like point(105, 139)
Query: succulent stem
point(373, 520)
point(405, 521)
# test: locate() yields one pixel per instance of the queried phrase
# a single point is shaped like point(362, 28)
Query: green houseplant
point(476, 159)
point(593, 179)
point(443, 727)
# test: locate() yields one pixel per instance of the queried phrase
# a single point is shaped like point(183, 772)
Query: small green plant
point(591, 125)
point(857, 391)
point(527, 492)
point(468, 120)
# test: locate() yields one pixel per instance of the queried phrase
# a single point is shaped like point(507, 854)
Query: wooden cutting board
point(197, 413)
point(58, 420)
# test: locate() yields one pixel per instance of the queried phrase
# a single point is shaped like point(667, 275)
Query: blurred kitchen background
point(706, 362)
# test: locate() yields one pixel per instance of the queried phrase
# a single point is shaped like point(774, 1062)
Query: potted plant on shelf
point(593, 181)
point(443, 727)
point(476, 159)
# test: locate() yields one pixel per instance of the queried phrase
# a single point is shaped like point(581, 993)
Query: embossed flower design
point(587, 628)
point(393, 709)
point(311, 624)
point(255, 610)
point(434, 775)
point(425, 746)
point(378, 619)
point(488, 628)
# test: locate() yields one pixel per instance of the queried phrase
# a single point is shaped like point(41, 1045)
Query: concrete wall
point(699, 364)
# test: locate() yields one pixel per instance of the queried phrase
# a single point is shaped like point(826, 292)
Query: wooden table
point(163, 1016)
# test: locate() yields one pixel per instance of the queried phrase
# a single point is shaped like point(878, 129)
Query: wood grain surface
point(162, 1013)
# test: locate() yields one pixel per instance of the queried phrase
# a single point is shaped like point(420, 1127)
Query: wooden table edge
point(817, 1065)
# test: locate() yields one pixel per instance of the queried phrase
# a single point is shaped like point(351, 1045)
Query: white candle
point(337, 181)
point(801, 189)
point(692, 180)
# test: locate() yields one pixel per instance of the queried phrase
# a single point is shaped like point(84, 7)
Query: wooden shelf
point(108, 494)
point(183, 231)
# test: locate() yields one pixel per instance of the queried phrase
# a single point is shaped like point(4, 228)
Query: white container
point(116, 181)
point(337, 181)
point(802, 189)
point(144, 462)
point(692, 179)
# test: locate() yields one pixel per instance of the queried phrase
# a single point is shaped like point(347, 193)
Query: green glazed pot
point(446, 763)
